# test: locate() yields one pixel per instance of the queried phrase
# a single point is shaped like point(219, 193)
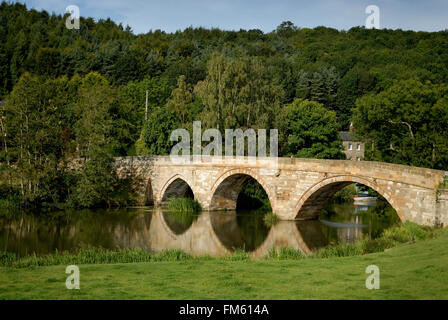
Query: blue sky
point(172, 15)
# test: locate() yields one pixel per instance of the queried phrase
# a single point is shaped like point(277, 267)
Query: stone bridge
point(297, 188)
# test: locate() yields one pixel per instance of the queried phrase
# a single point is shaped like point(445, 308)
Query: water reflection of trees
point(69, 230)
point(377, 217)
point(208, 233)
point(253, 229)
point(245, 230)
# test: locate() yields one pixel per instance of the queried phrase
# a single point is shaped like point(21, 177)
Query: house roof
point(346, 136)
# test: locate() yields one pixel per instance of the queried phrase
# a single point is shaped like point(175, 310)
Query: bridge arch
point(314, 199)
point(176, 187)
point(225, 190)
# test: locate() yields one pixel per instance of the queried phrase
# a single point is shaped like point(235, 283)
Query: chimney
point(351, 129)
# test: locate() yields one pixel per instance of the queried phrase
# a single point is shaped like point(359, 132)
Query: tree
point(236, 94)
point(94, 125)
point(97, 180)
point(96, 142)
point(34, 123)
point(48, 62)
point(407, 124)
point(286, 29)
point(127, 68)
point(355, 83)
point(158, 129)
point(308, 130)
point(181, 99)
point(134, 94)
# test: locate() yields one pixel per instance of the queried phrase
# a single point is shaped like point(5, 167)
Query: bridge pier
point(442, 208)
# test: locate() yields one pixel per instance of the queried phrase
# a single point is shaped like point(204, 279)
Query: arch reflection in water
point(259, 240)
point(212, 233)
point(198, 238)
point(246, 230)
point(217, 234)
point(179, 222)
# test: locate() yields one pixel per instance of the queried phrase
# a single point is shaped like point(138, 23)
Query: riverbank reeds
point(91, 256)
point(405, 233)
point(271, 219)
point(184, 205)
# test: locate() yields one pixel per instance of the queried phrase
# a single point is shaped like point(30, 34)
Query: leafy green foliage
point(157, 131)
point(345, 195)
point(59, 119)
point(236, 93)
point(69, 92)
point(271, 219)
point(390, 238)
point(96, 181)
point(407, 124)
point(253, 196)
point(308, 130)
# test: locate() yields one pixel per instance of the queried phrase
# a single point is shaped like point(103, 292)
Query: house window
point(358, 147)
point(350, 146)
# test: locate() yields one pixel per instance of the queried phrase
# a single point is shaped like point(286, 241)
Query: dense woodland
point(81, 93)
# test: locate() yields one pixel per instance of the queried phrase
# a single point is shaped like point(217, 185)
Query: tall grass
point(284, 253)
point(270, 219)
point(91, 256)
point(237, 255)
point(392, 237)
point(184, 205)
point(403, 233)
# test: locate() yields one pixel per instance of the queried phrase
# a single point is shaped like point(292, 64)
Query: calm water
point(214, 233)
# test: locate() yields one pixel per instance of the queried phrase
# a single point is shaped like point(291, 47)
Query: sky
point(266, 15)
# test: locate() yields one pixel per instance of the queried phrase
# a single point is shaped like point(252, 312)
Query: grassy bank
point(414, 271)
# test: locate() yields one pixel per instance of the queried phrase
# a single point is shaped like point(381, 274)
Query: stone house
point(353, 148)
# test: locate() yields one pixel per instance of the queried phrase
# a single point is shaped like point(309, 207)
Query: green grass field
point(415, 271)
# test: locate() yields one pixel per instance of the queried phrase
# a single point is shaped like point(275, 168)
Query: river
point(213, 233)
